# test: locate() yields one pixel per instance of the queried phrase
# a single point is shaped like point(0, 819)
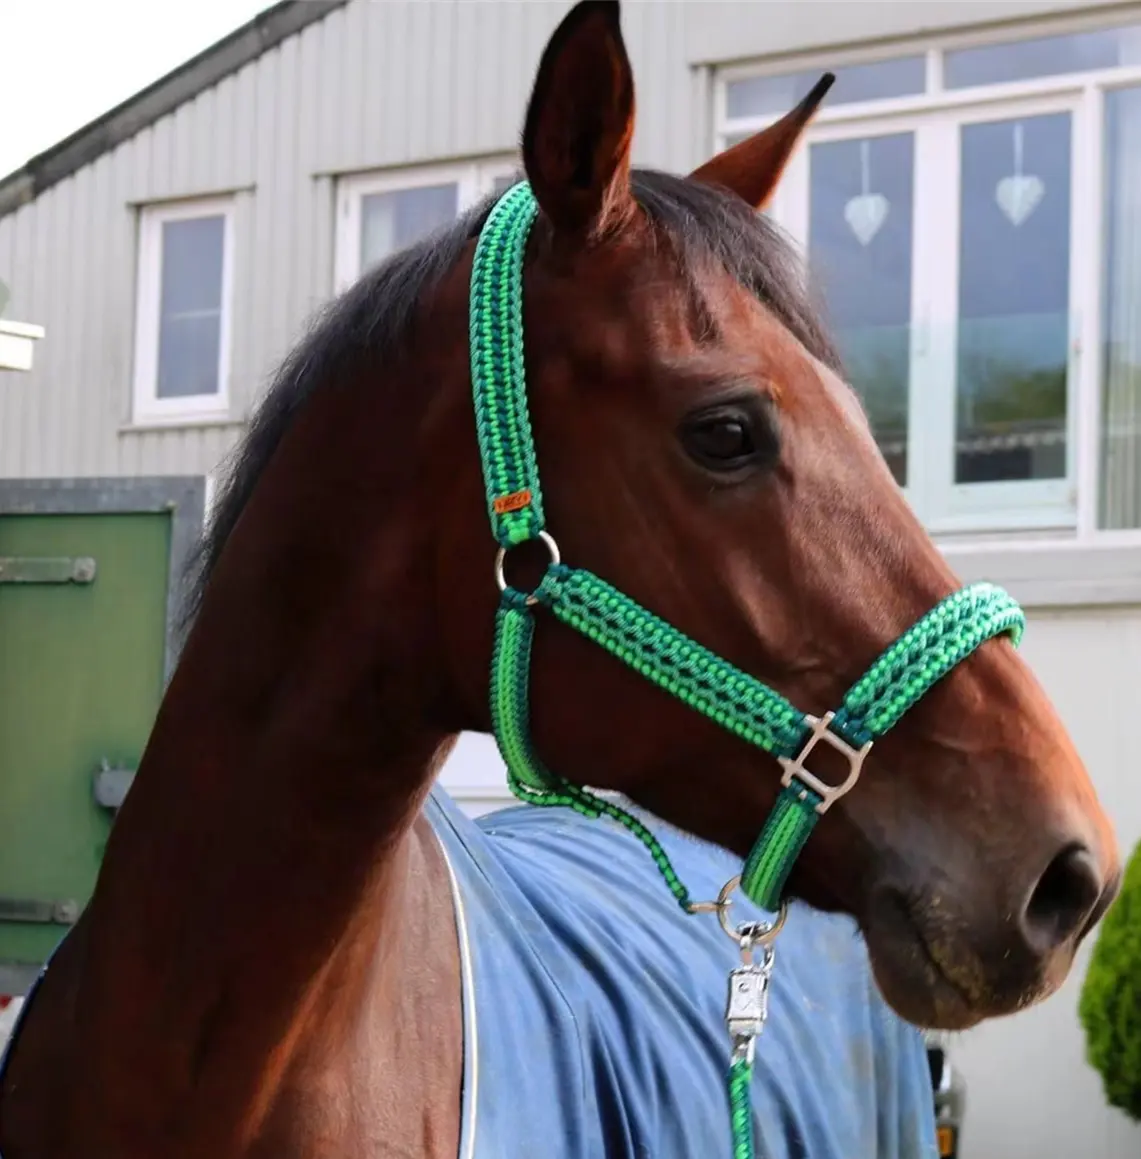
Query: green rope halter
point(908, 668)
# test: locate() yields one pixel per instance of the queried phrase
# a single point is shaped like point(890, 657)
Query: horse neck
point(269, 843)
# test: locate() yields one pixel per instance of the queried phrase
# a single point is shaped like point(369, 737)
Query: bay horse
point(298, 948)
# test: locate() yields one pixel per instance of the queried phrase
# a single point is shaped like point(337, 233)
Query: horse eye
point(722, 440)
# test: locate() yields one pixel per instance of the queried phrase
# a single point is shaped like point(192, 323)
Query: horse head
point(701, 450)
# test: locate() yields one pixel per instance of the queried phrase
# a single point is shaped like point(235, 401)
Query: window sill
point(1054, 573)
point(185, 422)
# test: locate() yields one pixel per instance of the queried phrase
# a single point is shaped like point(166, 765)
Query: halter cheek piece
point(925, 653)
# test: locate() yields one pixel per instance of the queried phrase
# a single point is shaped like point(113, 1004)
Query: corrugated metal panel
point(727, 30)
point(373, 85)
point(370, 86)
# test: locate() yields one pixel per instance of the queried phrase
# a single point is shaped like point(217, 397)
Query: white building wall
point(1031, 1093)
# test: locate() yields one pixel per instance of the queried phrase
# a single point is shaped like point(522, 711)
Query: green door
point(81, 676)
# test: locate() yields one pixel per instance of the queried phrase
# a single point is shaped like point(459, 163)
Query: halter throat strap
point(737, 701)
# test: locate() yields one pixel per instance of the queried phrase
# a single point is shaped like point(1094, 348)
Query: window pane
point(1014, 300)
point(1045, 56)
point(190, 308)
point(391, 221)
point(1120, 504)
point(860, 249)
point(757, 96)
point(501, 184)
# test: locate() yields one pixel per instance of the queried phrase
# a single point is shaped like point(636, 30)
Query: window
point(775, 95)
point(379, 214)
point(1041, 57)
point(971, 217)
point(1119, 505)
point(182, 324)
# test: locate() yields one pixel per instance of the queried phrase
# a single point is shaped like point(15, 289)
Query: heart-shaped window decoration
point(866, 213)
point(1019, 194)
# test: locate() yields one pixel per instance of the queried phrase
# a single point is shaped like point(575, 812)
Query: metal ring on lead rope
point(759, 934)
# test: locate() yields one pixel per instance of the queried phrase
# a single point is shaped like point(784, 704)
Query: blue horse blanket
point(594, 1008)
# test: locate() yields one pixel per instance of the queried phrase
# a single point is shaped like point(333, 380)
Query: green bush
point(1110, 1005)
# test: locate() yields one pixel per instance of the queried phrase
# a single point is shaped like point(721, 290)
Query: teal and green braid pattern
point(688, 671)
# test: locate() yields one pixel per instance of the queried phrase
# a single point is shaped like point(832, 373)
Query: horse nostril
point(1062, 900)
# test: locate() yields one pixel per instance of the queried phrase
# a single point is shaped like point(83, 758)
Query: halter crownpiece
point(906, 670)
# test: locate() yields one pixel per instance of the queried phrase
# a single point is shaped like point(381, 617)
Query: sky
point(65, 62)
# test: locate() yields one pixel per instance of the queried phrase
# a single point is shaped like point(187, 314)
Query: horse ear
point(580, 122)
point(752, 167)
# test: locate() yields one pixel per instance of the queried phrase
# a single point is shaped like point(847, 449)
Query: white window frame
point(965, 517)
point(473, 179)
point(147, 406)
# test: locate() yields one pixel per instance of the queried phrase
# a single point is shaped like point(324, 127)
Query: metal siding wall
point(373, 85)
point(663, 137)
point(729, 30)
point(104, 300)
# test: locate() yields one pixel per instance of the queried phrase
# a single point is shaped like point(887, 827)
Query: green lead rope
point(529, 780)
point(904, 672)
point(741, 1108)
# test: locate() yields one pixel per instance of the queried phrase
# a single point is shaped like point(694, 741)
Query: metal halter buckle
point(794, 767)
point(501, 560)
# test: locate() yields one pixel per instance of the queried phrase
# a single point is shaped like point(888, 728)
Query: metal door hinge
point(110, 785)
point(18, 569)
point(35, 911)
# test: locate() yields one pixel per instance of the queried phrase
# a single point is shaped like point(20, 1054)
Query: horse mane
point(701, 223)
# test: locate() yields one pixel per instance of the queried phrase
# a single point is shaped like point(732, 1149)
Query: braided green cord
point(499, 384)
point(670, 659)
point(924, 654)
point(741, 1109)
point(527, 777)
point(641, 640)
point(510, 704)
point(732, 698)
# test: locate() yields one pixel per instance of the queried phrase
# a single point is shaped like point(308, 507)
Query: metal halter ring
point(501, 559)
point(750, 934)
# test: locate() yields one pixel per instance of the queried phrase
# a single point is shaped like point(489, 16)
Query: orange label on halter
point(516, 501)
